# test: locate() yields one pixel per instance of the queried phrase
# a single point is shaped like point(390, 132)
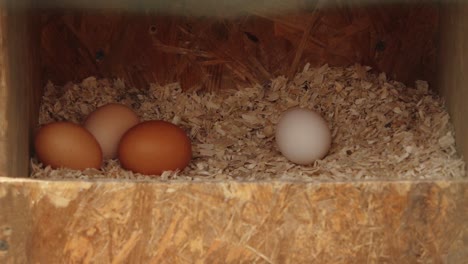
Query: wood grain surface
point(20, 88)
point(453, 73)
point(233, 222)
point(223, 222)
point(214, 53)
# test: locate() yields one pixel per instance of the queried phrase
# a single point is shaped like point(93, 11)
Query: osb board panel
point(233, 222)
point(20, 88)
point(454, 70)
point(214, 53)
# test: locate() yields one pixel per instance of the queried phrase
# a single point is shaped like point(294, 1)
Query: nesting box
point(387, 78)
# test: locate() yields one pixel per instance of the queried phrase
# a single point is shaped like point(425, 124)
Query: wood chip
point(382, 130)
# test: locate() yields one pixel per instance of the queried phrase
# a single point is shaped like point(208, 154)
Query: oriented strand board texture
point(213, 53)
point(233, 222)
point(20, 88)
point(454, 71)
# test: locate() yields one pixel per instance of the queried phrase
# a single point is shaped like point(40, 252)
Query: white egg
point(303, 136)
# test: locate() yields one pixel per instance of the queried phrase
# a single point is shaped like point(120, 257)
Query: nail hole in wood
point(100, 55)
point(380, 46)
point(153, 29)
point(251, 36)
point(3, 245)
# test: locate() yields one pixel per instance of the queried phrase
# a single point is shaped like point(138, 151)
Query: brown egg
point(108, 123)
point(67, 145)
point(153, 147)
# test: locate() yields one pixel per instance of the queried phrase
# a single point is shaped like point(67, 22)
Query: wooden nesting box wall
point(229, 221)
point(19, 92)
point(215, 53)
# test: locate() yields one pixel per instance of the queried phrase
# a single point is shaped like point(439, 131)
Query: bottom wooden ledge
point(233, 222)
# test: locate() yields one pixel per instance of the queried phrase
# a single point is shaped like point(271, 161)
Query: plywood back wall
point(453, 82)
point(213, 53)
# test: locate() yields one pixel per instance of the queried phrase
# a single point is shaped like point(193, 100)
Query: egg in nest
point(153, 147)
point(67, 145)
point(108, 123)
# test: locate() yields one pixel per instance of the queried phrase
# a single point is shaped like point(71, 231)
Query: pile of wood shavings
point(381, 129)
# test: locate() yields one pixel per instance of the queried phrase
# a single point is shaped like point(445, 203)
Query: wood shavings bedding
point(381, 129)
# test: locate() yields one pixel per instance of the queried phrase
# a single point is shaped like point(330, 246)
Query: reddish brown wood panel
point(212, 53)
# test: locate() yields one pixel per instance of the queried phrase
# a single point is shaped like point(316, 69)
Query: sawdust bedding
point(381, 129)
